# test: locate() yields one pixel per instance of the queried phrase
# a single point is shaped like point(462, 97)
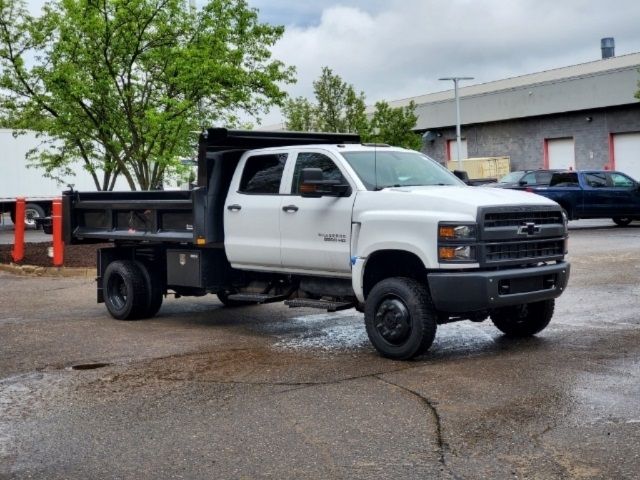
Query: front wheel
point(523, 320)
point(400, 318)
point(621, 221)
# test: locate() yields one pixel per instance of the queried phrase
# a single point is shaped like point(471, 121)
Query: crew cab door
point(316, 232)
point(252, 212)
point(625, 193)
point(612, 194)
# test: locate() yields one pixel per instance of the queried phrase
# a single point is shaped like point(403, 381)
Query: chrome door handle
point(290, 208)
point(234, 208)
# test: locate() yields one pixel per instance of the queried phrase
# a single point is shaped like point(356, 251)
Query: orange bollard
point(58, 244)
point(17, 253)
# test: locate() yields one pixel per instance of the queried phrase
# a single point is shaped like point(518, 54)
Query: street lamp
point(458, 139)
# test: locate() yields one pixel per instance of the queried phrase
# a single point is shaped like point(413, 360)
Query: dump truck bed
point(153, 216)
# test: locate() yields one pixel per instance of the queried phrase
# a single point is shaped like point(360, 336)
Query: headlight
point(456, 242)
point(457, 232)
point(464, 253)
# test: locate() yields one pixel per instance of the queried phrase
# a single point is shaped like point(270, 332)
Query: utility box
point(483, 167)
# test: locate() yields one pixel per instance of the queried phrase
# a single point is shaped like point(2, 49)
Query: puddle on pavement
point(337, 331)
point(345, 331)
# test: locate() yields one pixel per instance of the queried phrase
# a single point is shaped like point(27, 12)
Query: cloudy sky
point(393, 49)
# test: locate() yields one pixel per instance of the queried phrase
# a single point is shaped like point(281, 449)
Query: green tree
point(125, 85)
point(300, 114)
point(394, 125)
point(338, 105)
point(338, 108)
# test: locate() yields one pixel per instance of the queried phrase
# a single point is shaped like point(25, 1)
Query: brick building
point(581, 116)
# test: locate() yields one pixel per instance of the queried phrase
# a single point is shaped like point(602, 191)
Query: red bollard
point(17, 253)
point(58, 244)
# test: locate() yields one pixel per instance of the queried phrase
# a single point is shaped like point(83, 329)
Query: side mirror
point(312, 184)
point(462, 175)
point(522, 183)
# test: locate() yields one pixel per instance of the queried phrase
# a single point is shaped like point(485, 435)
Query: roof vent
point(608, 47)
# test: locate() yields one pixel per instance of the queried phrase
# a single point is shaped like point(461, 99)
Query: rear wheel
point(31, 212)
point(621, 221)
point(400, 318)
point(154, 289)
point(523, 320)
point(126, 292)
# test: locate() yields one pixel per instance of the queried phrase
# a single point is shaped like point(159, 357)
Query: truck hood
point(459, 201)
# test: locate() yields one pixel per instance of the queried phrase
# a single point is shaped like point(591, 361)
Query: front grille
point(526, 250)
point(515, 219)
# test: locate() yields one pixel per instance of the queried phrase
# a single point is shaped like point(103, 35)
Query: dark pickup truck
point(595, 194)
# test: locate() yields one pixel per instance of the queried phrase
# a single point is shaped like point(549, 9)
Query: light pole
point(458, 139)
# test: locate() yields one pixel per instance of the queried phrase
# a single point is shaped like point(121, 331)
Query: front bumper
point(483, 290)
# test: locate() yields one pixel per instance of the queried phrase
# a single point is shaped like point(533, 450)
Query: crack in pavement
point(430, 406)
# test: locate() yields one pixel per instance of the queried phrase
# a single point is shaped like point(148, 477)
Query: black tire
point(126, 293)
point(31, 212)
point(12, 215)
point(621, 221)
point(223, 296)
point(154, 288)
point(523, 320)
point(400, 318)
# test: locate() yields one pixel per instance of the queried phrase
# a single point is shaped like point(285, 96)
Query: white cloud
point(401, 49)
point(393, 49)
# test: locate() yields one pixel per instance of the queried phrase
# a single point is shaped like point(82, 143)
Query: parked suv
point(523, 179)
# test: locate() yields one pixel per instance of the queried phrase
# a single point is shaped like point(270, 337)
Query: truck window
point(619, 180)
point(596, 179)
point(382, 169)
point(566, 179)
point(263, 173)
point(529, 179)
point(315, 160)
point(543, 178)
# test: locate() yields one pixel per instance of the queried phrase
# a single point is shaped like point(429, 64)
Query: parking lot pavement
point(266, 392)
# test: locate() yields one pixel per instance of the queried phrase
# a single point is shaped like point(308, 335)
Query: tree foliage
point(125, 85)
point(338, 108)
point(395, 125)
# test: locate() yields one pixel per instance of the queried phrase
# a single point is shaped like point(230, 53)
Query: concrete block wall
point(523, 139)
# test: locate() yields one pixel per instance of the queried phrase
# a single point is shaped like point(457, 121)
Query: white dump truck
point(324, 221)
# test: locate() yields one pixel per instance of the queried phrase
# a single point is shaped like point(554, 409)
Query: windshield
point(383, 169)
point(512, 177)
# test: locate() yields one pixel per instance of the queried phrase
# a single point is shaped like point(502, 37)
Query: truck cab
point(322, 220)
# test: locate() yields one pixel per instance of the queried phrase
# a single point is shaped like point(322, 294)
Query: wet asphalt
point(206, 392)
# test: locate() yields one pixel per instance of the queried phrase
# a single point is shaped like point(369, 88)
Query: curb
point(36, 271)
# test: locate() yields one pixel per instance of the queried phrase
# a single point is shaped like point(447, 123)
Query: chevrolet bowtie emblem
point(528, 228)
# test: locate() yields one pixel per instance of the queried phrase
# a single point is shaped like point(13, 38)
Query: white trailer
point(18, 179)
